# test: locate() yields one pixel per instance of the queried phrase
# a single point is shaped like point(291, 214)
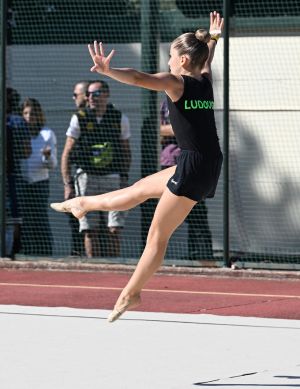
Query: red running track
point(163, 293)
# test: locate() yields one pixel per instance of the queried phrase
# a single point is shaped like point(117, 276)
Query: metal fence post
point(149, 133)
point(226, 213)
point(3, 127)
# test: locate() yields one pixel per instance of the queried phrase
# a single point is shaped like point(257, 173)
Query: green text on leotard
point(198, 104)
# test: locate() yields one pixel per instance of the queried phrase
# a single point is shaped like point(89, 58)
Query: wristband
point(214, 38)
point(215, 35)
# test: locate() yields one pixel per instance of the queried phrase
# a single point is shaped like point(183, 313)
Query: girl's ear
point(184, 60)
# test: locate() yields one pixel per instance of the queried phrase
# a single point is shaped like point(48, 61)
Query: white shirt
point(74, 128)
point(36, 167)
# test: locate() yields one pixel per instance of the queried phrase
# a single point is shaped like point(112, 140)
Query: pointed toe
point(58, 207)
point(114, 315)
point(128, 304)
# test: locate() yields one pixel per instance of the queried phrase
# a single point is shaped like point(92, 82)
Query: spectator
point(98, 138)
point(199, 235)
point(37, 237)
point(80, 94)
point(80, 100)
point(18, 147)
point(170, 150)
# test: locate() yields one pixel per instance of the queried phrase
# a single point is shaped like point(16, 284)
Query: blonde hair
point(193, 44)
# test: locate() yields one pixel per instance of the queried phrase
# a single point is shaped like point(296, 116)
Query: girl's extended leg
point(169, 214)
point(119, 200)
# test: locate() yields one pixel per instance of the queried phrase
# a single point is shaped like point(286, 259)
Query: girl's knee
point(139, 184)
point(158, 238)
point(140, 188)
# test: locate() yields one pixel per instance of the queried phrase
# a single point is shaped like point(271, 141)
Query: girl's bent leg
point(119, 200)
point(170, 213)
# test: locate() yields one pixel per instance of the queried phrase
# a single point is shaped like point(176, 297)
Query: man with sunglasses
point(80, 94)
point(98, 139)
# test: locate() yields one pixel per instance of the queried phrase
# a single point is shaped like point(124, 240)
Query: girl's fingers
point(91, 50)
point(96, 48)
point(101, 49)
point(216, 22)
point(222, 24)
point(97, 54)
point(110, 55)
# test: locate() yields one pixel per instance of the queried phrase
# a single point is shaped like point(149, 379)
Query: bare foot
point(124, 305)
point(73, 206)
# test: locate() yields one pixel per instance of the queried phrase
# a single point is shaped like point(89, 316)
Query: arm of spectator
point(50, 152)
point(166, 130)
point(66, 168)
point(73, 133)
point(126, 159)
point(126, 151)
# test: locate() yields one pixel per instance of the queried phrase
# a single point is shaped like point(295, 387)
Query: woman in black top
point(190, 98)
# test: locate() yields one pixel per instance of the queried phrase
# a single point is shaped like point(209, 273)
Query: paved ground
point(54, 332)
point(163, 293)
point(67, 348)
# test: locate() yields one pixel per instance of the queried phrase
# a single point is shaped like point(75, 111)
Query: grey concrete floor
point(64, 348)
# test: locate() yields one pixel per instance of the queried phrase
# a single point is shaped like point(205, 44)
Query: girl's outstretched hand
point(101, 63)
point(216, 23)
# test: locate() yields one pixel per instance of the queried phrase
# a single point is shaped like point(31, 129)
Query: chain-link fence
point(46, 57)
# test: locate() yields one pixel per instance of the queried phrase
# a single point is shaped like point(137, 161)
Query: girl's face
point(175, 62)
point(29, 116)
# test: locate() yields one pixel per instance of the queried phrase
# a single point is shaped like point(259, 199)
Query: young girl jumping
point(188, 87)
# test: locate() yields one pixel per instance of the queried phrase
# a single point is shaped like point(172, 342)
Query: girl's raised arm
point(215, 30)
point(158, 82)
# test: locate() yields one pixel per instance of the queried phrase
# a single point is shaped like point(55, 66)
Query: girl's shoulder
point(202, 83)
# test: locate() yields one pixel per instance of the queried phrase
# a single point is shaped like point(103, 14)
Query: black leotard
point(193, 123)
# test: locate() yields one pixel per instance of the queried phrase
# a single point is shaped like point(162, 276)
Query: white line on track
point(150, 290)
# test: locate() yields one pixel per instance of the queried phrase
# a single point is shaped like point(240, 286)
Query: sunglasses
point(95, 93)
point(75, 95)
